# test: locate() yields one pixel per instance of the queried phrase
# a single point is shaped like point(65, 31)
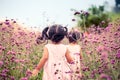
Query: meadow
point(19, 53)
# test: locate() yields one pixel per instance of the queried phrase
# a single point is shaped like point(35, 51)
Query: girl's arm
point(68, 57)
point(42, 62)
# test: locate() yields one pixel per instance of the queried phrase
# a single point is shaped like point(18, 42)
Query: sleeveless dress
point(75, 54)
point(56, 68)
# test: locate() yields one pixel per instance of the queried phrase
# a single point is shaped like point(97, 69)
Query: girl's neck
point(55, 43)
point(75, 43)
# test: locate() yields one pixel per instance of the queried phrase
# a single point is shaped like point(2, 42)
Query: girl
point(54, 55)
point(75, 52)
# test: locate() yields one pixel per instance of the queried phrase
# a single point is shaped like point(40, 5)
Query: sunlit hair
point(55, 33)
point(73, 36)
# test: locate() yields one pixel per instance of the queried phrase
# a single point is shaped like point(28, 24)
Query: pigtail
point(77, 35)
point(44, 33)
point(43, 37)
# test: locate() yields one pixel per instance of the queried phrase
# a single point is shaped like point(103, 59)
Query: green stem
point(84, 23)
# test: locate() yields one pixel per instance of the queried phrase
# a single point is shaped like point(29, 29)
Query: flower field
point(101, 53)
point(19, 53)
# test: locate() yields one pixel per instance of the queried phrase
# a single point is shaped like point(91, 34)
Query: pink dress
point(75, 54)
point(56, 68)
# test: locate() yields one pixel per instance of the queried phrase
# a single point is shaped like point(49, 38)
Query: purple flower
point(28, 73)
point(67, 72)
point(5, 70)
point(14, 21)
point(86, 13)
point(4, 28)
point(119, 29)
point(7, 23)
point(77, 54)
point(7, 20)
point(72, 63)
point(76, 13)
point(73, 19)
point(3, 74)
point(112, 61)
point(81, 11)
point(105, 76)
point(92, 75)
point(118, 54)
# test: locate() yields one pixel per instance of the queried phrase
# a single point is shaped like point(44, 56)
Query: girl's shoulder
point(47, 44)
point(73, 45)
point(62, 45)
point(76, 46)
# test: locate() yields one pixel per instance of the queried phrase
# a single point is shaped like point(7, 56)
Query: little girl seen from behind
point(75, 52)
point(54, 54)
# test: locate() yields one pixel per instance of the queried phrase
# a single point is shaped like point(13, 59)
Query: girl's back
point(75, 53)
point(55, 68)
point(74, 50)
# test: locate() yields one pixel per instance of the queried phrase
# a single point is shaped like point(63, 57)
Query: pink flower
point(89, 52)
point(2, 48)
point(1, 63)
point(12, 78)
point(25, 78)
point(11, 52)
point(17, 60)
point(105, 76)
point(100, 48)
point(104, 55)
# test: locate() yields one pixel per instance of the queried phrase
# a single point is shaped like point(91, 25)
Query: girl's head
point(55, 33)
point(73, 36)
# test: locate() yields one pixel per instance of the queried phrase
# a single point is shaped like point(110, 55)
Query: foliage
point(94, 16)
point(117, 2)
